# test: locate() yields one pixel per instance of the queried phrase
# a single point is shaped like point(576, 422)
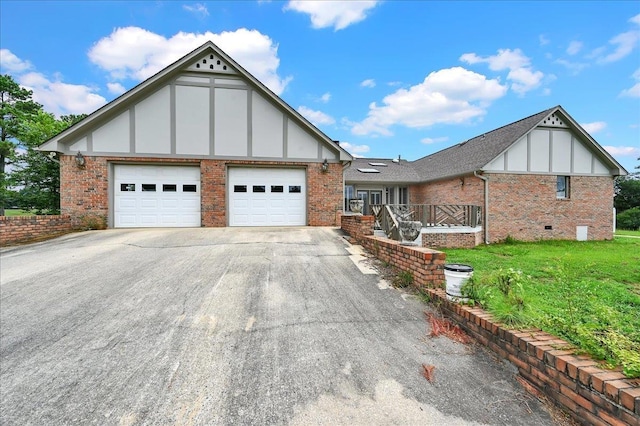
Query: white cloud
point(61, 98)
point(624, 44)
point(623, 151)
point(522, 76)
point(574, 67)
point(429, 141)
point(116, 88)
point(136, 53)
point(197, 9)
point(394, 83)
point(453, 95)
point(633, 91)
point(325, 98)
point(574, 47)
point(368, 83)
point(594, 127)
point(11, 63)
point(316, 117)
point(355, 150)
point(543, 40)
point(329, 13)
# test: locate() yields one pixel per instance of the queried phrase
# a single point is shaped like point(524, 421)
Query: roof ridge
point(512, 123)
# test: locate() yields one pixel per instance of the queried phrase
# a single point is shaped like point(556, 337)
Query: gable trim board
point(206, 111)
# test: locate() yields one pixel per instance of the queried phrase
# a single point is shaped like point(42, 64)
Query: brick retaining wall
point(425, 265)
point(549, 366)
point(22, 229)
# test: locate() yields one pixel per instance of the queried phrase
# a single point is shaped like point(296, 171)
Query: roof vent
point(368, 171)
point(396, 160)
point(378, 164)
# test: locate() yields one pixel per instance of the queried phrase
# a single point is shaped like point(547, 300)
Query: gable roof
point(476, 153)
point(397, 171)
point(183, 64)
point(473, 154)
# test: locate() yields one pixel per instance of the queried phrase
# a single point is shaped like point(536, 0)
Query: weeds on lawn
point(403, 279)
point(587, 293)
point(501, 292)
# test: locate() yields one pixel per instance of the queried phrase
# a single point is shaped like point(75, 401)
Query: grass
point(17, 212)
point(628, 233)
point(585, 292)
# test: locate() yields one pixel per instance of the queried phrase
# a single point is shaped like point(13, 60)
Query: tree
point(16, 106)
point(36, 173)
point(627, 189)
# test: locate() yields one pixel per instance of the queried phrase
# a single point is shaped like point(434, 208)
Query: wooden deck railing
point(431, 215)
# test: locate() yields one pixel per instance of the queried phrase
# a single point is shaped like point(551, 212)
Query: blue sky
point(386, 78)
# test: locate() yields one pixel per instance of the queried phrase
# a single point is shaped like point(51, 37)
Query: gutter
point(486, 206)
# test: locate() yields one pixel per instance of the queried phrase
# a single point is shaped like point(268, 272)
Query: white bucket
point(456, 275)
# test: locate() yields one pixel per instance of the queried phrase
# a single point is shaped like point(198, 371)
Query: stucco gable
point(203, 105)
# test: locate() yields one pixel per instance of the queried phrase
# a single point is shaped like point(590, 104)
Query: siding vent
point(211, 63)
point(554, 121)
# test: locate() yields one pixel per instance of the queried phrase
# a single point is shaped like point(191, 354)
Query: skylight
point(368, 171)
point(378, 164)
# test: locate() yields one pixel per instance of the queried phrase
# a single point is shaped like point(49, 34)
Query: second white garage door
point(267, 197)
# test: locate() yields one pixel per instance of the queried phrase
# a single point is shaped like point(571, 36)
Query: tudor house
point(201, 143)
point(542, 177)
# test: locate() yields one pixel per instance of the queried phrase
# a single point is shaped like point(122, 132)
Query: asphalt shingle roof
point(400, 172)
point(463, 158)
point(475, 153)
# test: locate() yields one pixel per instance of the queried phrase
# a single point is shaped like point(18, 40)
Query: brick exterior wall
point(23, 229)
point(462, 190)
point(84, 192)
point(547, 366)
point(522, 205)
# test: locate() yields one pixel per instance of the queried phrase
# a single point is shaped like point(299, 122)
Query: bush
point(629, 219)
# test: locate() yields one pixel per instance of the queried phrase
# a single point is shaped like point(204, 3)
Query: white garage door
point(156, 196)
point(267, 197)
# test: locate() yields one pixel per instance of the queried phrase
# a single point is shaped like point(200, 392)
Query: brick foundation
point(451, 239)
point(549, 366)
point(24, 229)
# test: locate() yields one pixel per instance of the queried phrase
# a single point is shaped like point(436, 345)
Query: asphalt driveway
point(229, 326)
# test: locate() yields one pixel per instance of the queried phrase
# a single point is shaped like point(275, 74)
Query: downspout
point(345, 166)
point(486, 206)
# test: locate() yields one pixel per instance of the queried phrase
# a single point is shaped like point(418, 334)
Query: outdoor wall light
point(325, 166)
point(80, 161)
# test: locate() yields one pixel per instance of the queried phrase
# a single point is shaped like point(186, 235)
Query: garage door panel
point(276, 206)
point(153, 195)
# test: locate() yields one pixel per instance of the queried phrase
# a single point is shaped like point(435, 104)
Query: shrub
point(629, 219)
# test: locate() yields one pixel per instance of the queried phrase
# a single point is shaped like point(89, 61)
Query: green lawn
point(631, 233)
point(17, 212)
point(585, 292)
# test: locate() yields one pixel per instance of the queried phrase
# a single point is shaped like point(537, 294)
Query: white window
point(562, 187)
point(349, 194)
